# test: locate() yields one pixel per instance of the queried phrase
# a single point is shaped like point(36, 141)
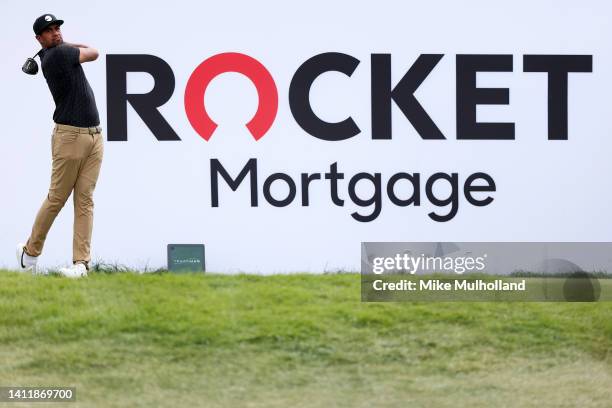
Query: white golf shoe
point(77, 270)
point(25, 262)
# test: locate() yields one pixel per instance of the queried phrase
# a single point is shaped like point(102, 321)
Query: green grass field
point(126, 340)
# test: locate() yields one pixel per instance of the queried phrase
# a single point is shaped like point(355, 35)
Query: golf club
point(30, 67)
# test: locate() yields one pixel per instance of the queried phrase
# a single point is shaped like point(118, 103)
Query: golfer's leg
point(63, 176)
point(83, 201)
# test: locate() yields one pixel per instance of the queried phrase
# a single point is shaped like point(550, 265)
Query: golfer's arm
point(86, 53)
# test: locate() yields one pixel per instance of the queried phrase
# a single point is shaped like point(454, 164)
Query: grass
point(294, 340)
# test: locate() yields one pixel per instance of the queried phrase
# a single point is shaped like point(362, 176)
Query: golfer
point(76, 146)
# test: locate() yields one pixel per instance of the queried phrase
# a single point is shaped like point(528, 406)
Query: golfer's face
point(51, 36)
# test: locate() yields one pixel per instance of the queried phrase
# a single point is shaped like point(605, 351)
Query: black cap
point(45, 21)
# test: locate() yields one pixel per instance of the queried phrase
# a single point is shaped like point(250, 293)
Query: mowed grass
point(128, 340)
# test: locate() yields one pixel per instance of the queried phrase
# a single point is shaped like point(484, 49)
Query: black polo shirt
point(75, 103)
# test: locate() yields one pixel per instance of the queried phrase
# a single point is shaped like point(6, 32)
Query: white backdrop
point(546, 190)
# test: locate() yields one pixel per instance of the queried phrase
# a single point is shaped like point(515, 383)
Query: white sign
point(437, 121)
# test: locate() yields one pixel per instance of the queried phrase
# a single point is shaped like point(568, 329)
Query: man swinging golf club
point(76, 145)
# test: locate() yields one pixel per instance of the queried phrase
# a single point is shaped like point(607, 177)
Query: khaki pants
point(77, 157)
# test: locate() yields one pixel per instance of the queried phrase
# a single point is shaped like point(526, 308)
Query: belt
point(87, 130)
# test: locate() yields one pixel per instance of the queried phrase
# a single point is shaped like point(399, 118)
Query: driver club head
point(30, 67)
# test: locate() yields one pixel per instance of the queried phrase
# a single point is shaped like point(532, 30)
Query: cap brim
point(58, 22)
